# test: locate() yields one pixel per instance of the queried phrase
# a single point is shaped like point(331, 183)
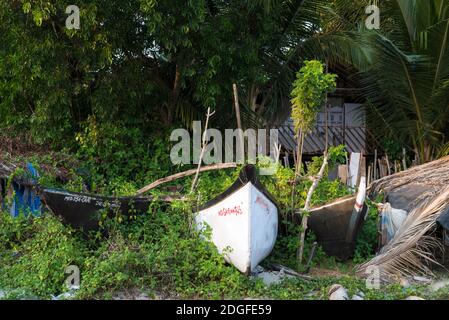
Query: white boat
point(243, 221)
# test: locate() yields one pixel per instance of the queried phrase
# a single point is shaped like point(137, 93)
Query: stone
point(404, 283)
point(437, 285)
point(64, 296)
point(271, 277)
point(414, 298)
point(422, 279)
point(338, 292)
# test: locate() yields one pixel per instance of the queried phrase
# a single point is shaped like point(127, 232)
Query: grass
point(159, 255)
point(162, 255)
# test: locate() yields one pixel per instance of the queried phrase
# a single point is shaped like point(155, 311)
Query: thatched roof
point(412, 249)
point(430, 179)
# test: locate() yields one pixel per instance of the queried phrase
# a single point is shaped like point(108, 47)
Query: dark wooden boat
point(337, 224)
point(83, 211)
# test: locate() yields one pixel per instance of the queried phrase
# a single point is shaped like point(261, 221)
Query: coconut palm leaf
point(412, 249)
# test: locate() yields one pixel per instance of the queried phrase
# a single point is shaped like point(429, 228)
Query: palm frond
point(412, 249)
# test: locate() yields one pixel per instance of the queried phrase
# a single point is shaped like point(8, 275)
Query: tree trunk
point(173, 100)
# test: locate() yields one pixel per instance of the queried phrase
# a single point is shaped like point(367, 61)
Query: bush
point(35, 254)
point(159, 252)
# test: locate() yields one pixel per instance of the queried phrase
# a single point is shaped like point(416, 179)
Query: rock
point(422, 279)
point(271, 277)
point(358, 296)
point(312, 294)
point(414, 298)
point(258, 269)
point(143, 296)
point(404, 283)
point(338, 292)
point(30, 298)
point(3, 294)
point(64, 296)
point(437, 285)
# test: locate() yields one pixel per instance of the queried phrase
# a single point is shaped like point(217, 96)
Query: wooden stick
point(239, 120)
point(388, 164)
point(187, 173)
point(369, 175)
point(347, 168)
point(404, 162)
point(375, 164)
point(307, 207)
point(203, 149)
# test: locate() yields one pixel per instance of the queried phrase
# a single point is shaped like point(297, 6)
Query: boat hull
point(337, 224)
point(83, 211)
point(243, 223)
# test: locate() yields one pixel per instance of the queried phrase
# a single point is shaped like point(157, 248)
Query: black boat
point(337, 224)
point(83, 211)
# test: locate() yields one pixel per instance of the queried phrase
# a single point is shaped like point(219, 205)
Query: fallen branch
point(187, 173)
point(307, 208)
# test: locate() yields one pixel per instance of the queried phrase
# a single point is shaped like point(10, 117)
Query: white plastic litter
point(391, 221)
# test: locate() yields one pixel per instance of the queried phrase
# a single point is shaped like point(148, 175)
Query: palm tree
point(403, 67)
point(406, 80)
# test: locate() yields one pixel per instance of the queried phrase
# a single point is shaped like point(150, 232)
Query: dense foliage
point(310, 88)
point(105, 98)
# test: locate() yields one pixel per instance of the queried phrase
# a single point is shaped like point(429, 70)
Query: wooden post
point(375, 164)
point(369, 176)
point(326, 139)
point(239, 120)
point(381, 172)
point(388, 164)
point(286, 161)
point(404, 162)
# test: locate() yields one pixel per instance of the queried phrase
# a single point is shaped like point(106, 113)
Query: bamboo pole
point(375, 164)
point(239, 120)
point(184, 174)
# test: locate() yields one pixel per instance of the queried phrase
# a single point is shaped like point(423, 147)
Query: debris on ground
point(271, 277)
point(391, 220)
point(413, 248)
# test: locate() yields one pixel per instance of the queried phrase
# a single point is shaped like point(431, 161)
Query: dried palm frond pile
point(413, 248)
point(432, 177)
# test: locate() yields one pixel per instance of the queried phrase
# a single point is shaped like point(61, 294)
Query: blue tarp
point(25, 198)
